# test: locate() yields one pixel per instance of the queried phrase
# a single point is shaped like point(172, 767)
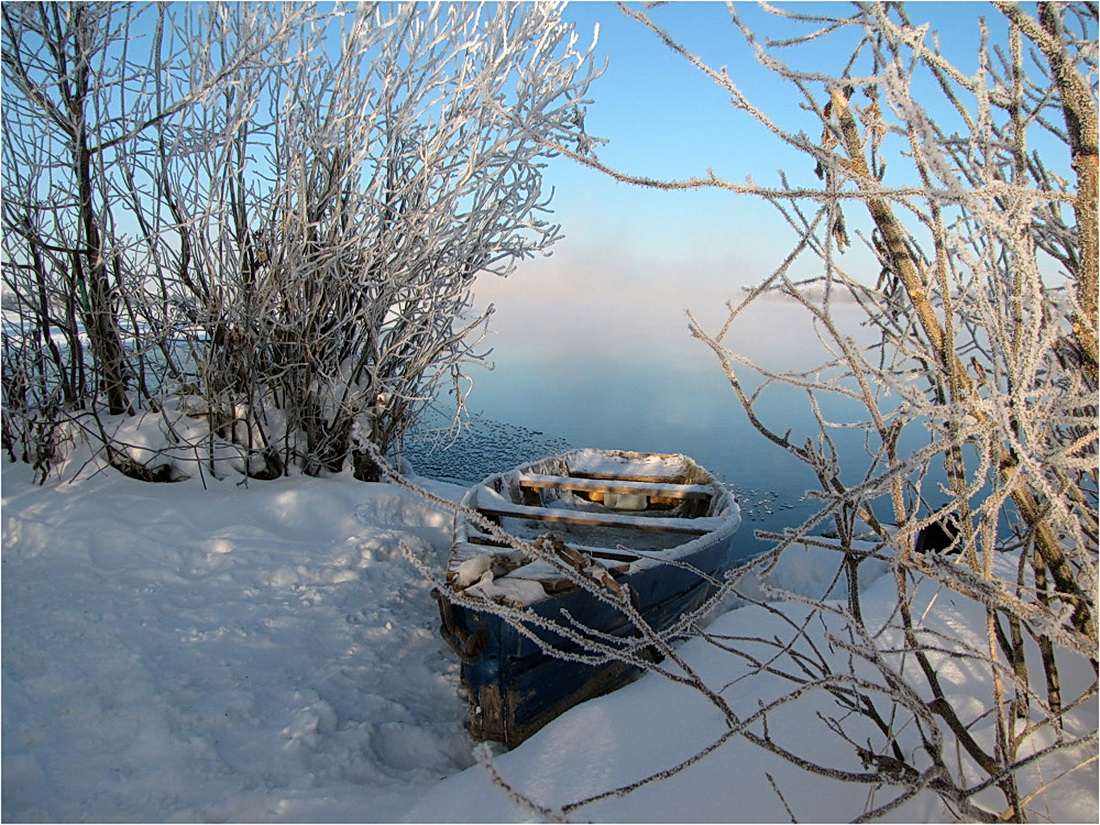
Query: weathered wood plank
point(629, 487)
point(463, 550)
point(502, 509)
point(651, 479)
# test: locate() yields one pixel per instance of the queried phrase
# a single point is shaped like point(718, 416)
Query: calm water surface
point(670, 396)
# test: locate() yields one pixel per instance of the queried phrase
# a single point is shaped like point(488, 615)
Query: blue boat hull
point(515, 687)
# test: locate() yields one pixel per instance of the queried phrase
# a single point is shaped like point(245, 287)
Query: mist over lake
point(576, 374)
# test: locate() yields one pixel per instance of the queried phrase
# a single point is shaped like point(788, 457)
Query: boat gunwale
point(724, 521)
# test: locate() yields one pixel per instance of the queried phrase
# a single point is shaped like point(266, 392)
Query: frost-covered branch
point(973, 378)
point(287, 208)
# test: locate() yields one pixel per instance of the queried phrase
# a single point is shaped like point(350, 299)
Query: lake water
point(670, 397)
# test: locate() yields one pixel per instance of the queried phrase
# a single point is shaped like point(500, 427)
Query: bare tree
point(57, 248)
point(977, 398)
point(313, 190)
point(83, 101)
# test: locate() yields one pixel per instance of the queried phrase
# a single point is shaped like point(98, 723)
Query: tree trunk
point(102, 324)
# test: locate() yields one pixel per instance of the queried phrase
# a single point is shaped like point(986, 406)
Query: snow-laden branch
point(284, 211)
point(974, 380)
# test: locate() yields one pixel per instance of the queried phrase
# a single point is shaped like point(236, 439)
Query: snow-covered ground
point(229, 654)
point(266, 654)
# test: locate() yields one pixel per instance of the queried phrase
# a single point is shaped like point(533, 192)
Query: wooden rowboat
point(605, 532)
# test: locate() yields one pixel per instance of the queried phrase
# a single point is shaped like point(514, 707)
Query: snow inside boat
point(645, 531)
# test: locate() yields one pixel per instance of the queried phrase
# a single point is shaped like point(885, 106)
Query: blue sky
point(633, 259)
point(665, 119)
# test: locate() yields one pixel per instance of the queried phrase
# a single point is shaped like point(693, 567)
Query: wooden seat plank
point(470, 549)
point(652, 479)
point(629, 487)
point(553, 514)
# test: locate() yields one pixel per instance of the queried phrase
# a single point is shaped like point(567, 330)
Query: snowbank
point(267, 654)
point(654, 724)
point(172, 653)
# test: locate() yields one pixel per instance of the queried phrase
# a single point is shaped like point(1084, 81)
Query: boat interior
point(601, 512)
